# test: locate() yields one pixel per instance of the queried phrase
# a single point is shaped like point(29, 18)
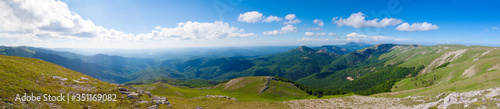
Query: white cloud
point(361, 38)
point(417, 27)
point(355, 37)
point(250, 17)
point(494, 28)
point(49, 19)
point(311, 39)
point(292, 22)
point(357, 20)
point(319, 22)
point(272, 19)
point(284, 30)
point(196, 30)
point(291, 19)
point(311, 34)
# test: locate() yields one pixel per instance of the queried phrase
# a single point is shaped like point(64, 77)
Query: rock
point(78, 81)
point(131, 87)
point(220, 96)
point(153, 107)
point(124, 92)
point(83, 78)
point(161, 100)
point(198, 107)
point(133, 95)
point(148, 93)
point(60, 78)
point(140, 102)
point(123, 89)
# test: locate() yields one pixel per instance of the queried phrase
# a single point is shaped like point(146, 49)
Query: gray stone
point(140, 102)
point(161, 100)
point(153, 107)
point(133, 95)
point(123, 89)
point(148, 93)
point(83, 78)
point(60, 78)
point(198, 107)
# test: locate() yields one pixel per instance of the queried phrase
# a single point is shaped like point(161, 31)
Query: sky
point(137, 24)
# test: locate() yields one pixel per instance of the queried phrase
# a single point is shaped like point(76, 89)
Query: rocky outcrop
point(198, 107)
point(60, 78)
point(266, 85)
point(220, 96)
point(137, 93)
point(161, 100)
point(486, 98)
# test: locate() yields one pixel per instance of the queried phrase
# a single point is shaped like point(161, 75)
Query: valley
point(348, 76)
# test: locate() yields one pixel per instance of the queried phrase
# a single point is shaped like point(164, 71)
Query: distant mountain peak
point(357, 44)
point(303, 49)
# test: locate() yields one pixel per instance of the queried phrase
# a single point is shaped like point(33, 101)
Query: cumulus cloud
point(417, 27)
point(49, 19)
point(361, 38)
point(283, 30)
point(291, 19)
point(357, 20)
point(272, 19)
point(319, 22)
point(311, 34)
point(196, 30)
point(355, 37)
point(250, 17)
point(311, 39)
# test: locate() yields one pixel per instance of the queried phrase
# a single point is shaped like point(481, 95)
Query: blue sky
point(223, 23)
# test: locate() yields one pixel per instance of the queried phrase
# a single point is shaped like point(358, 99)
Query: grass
point(247, 89)
point(451, 78)
point(20, 75)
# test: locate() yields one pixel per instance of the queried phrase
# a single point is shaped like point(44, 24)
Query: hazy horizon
point(99, 24)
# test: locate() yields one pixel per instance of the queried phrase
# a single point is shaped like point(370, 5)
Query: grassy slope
point(20, 75)
point(245, 89)
point(450, 78)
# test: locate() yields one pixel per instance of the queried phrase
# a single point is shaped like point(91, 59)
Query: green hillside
point(260, 88)
point(449, 68)
point(113, 69)
point(20, 75)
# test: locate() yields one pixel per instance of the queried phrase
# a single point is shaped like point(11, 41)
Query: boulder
point(148, 93)
point(198, 107)
point(153, 107)
point(60, 78)
point(140, 102)
point(83, 78)
point(133, 95)
point(123, 89)
point(161, 100)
